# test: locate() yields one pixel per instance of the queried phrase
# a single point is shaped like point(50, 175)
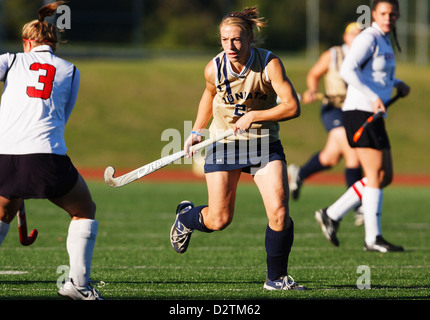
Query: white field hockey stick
point(157, 164)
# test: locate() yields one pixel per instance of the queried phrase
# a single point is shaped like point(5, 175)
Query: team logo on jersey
point(241, 96)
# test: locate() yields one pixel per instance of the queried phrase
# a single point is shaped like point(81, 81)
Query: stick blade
point(30, 239)
point(357, 135)
point(109, 179)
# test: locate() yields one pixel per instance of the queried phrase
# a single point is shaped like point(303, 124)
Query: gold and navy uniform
point(239, 93)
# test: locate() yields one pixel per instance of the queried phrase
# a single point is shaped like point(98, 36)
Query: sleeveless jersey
point(238, 94)
point(335, 86)
point(39, 94)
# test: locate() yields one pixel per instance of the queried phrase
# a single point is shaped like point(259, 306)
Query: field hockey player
point(242, 83)
point(39, 95)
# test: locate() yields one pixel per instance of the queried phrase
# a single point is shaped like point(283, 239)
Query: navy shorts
point(331, 117)
point(36, 176)
point(374, 135)
point(249, 156)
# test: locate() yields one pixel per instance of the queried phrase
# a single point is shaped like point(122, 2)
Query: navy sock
point(278, 246)
point(352, 175)
point(193, 219)
point(312, 166)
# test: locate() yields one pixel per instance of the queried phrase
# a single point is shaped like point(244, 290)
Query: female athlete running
point(242, 83)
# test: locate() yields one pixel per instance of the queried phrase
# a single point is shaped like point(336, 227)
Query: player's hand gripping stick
point(373, 117)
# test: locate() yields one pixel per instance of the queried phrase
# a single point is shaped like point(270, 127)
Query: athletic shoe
point(180, 235)
point(359, 217)
point(295, 181)
point(328, 226)
point(70, 291)
point(283, 283)
point(382, 245)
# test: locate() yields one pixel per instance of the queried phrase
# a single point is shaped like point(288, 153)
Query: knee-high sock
point(352, 175)
point(81, 240)
point(349, 200)
point(4, 228)
point(372, 209)
point(312, 166)
point(278, 246)
point(193, 219)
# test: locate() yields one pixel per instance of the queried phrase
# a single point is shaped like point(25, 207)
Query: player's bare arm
point(288, 109)
point(204, 113)
point(313, 77)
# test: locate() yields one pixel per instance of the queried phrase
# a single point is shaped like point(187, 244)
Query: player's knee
point(218, 222)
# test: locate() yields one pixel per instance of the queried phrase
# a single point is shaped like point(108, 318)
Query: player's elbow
point(293, 111)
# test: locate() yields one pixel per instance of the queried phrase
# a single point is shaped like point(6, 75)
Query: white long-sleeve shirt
point(369, 69)
point(39, 94)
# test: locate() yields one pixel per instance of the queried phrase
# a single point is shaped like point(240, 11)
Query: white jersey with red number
point(40, 91)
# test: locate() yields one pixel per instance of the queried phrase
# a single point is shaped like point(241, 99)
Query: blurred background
point(145, 25)
point(142, 63)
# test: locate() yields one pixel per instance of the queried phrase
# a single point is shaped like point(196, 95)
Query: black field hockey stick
point(24, 238)
point(157, 164)
point(373, 117)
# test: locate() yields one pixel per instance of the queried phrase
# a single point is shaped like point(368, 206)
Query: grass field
point(134, 257)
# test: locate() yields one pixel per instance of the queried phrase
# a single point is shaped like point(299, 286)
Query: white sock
point(80, 246)
point(372, 208)
point(4, 228)
point(349, 200)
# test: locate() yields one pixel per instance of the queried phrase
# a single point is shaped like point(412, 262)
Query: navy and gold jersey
point(238, 94)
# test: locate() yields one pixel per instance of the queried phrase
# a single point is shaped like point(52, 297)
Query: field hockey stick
point(157, 164)
point(319, 95)
point(373, 117)
point(24, 238)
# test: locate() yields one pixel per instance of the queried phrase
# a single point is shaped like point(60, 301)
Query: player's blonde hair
point(248, 20)
point(40, 31)
point(352, 26)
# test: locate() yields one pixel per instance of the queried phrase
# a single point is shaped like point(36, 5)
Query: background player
point(369, 70)
point(241, 88)
point(39, 94)
point(336, 147)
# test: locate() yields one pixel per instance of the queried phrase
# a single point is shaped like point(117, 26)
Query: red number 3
point(46, 80)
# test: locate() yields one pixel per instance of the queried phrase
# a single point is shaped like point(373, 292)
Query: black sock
point(352, 175)
point(312, 166)
point(278, 246)
point(193, 219)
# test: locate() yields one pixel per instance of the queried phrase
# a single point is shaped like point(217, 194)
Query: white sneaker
point(71, 291)
point(283, 283)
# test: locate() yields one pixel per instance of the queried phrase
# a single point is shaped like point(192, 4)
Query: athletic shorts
point(374, 135)
point(246, 155)
point(36, 176)
point(331, 117)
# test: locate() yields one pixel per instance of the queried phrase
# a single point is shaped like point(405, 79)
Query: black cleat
point(383, 246)
point(328, 226)
point(180, 235)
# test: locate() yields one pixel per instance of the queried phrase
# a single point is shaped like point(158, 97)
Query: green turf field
point(134, 257)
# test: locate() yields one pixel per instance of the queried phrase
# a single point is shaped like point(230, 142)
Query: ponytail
point(396, 40)
point(247, 20)
point(41, 31)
